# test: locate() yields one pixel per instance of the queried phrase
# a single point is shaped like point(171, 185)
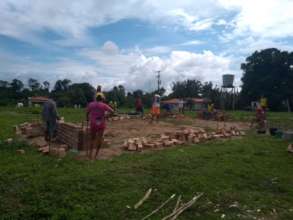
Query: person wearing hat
point(156, 107)
point(95, 114)
point(100, 93)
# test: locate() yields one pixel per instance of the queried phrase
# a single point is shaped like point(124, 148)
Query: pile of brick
point(30, 130)
point(68, 135)
point(138, 144)
point(71, 134)
point(59, 151)
point(184, 136)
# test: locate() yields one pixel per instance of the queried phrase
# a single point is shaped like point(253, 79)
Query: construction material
point(177, 203)
point(30, 130)
point(20, 151)
point(143, 199)
point(186, 135)
point(160, 207)
point(182, 208)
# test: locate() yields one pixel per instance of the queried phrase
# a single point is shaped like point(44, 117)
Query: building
point(37, 100)
point(196, 104)
point(173, 104)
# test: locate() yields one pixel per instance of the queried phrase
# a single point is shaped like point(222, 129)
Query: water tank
point(228, 80)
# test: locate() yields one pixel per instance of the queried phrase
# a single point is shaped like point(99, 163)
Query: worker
point(263, 103)
point(156, 108)
point(261, 119)
point(181, 106)
point(115, 105)
point(211, 109)
point(95, 114)
point(139, 106)
point(100, 93)
point(50, 117)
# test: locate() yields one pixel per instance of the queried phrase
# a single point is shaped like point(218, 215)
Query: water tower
point(228, 91)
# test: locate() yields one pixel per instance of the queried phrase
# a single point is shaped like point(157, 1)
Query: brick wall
point(75, 136)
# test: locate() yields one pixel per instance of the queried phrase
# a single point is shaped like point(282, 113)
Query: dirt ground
point(119, 131)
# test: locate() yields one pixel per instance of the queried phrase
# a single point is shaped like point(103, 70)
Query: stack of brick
point(188, 136)
point(71, 134)
point(59, 150)
point(30, 130)
point(138, 144)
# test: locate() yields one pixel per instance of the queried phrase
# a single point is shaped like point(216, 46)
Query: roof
point(200, 100)
point(171, 101)
point(38, 99)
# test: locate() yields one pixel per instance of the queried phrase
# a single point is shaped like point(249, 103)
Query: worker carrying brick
point(50, 117)
point(156, 108)
point(95, 114)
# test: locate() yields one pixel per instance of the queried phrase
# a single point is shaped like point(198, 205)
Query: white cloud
point(132, 69)
point(71, 19)
point(266, 18)
point(157, 50)
point(193, 42)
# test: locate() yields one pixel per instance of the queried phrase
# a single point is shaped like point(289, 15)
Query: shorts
point(95, 129)
point(155, 110)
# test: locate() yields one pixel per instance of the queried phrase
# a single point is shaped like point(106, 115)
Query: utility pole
point(159, 79)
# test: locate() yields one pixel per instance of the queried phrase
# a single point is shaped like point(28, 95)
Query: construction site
point(130, 134)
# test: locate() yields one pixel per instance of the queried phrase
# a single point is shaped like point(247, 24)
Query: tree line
point(267, 73)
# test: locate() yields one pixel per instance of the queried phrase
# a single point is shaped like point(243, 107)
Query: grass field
point(254, 173)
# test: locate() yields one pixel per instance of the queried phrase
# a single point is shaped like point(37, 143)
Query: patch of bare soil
point(118, 131)
point(207, 124)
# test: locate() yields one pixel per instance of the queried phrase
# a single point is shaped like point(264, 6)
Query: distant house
point(37, 100)
point(173, 103)
point(197, 104)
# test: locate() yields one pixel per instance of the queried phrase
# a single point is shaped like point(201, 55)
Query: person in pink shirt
point(96, 111)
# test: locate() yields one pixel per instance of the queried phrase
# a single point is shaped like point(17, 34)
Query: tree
point(16, 85)
point(268, 73)
point(4, 84)
point(34, 84)
point(62, 85)
point(46, 85)
point(81, 93)
point(185, 89)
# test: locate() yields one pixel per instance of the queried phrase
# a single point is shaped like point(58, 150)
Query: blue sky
point(125, 42)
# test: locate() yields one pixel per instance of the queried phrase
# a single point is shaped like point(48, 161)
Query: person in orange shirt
point(156, 108)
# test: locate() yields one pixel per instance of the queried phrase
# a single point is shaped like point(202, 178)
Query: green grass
point(254, 171)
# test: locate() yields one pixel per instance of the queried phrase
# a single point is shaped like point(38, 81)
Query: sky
point(113, 42)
